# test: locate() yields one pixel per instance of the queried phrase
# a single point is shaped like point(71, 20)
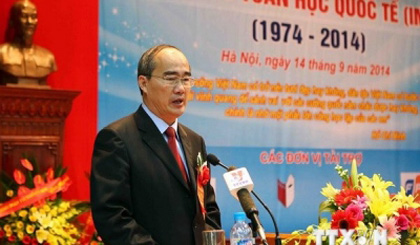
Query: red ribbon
point(34, 195)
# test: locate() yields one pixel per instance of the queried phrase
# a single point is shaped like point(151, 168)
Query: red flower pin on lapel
point(203, 177)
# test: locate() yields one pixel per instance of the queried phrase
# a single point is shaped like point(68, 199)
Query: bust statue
point(21, 62)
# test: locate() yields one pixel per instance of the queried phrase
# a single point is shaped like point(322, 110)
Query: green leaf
point(6, 181)
point(29, 180)
point(59, 170)
point(32, 159)
point(326, 206)
point(404, 236)
point(84, 206)
point(8, 184)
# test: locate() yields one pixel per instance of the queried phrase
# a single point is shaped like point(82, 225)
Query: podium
point(32, 125)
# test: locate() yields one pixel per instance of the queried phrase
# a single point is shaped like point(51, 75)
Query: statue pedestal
point(32, 125)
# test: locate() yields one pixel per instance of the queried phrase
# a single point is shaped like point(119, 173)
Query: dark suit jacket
point(138, 195)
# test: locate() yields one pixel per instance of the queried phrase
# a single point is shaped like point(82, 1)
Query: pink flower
point(361, 202)
point(412, 215)
point(391, 227)
point(356, 211)
point(403, 222)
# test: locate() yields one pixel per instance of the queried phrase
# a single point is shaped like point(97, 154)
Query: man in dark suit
point(144, 183)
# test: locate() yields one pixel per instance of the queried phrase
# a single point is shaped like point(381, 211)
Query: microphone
point(239, 183)
point(213, 160)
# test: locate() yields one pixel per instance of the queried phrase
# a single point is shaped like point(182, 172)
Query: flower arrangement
point(364, 206)
point(33, 212)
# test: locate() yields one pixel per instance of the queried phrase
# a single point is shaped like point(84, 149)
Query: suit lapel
point(189, 157)
point(152, 137)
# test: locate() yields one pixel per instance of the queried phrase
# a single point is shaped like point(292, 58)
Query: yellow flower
point(406, 201)
point(310, 239)
point(20, 225)
point(41, 235)
point(324, 224)
point(63, 207)
point(64, 204)
point(329, 191)
point(53, 212)
point(379, 183)
point(382, 207)
point(61, 220)
point(30, 229)
point(411, 242)
point(33, 209)
point(32, 218)
point(73, 230)
point(46, 208)
point(67, 214)
point(23, 213)
point(10, 193)
point(59, 231)
point(7, 228)
point(393, 241)
point(61, 240)
point(51, 239)
point(44, 220)
point(74, 211)
point(20, 235)
point(361, 228)
point(375, 188)
point(375, 182)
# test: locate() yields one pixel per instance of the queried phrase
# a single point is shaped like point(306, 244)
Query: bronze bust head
point(22, 62)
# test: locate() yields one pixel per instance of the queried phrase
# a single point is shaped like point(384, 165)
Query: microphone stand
point(277, 239)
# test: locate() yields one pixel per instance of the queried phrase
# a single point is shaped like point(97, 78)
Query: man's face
point(166, 101)
point(26, 21)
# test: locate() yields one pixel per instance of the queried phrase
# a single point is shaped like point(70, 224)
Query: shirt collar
point(160, 124)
